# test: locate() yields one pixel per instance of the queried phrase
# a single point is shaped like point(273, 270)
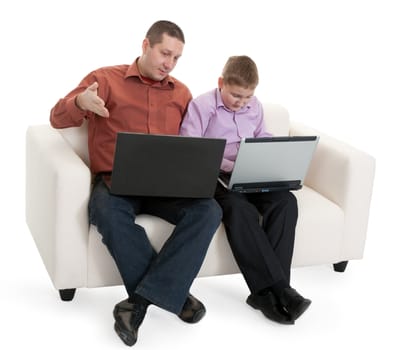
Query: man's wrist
point(77, 103)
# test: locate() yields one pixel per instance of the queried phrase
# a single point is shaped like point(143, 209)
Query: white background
point(328, 62)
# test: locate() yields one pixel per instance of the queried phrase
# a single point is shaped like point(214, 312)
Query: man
point(144, 98)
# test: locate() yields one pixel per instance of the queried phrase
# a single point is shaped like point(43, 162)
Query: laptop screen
point(272, 163)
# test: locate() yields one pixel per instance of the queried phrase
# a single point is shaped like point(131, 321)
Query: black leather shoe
point(293, 302)
point(193, 310)
point(270, 307)
point(128, 317)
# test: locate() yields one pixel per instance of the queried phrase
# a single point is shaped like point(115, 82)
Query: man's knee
point(211, 210)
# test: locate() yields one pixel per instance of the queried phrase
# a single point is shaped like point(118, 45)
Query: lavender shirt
point(208, 117)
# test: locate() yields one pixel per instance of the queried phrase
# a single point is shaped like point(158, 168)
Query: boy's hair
point(155, 32)
point(241, 71)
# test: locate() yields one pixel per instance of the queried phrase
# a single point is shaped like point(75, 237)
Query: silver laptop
point(271, 164)
point(166, 166)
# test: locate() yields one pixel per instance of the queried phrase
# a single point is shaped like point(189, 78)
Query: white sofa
point(333, 207)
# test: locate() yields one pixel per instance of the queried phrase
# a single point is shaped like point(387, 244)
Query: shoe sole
point(124, 336)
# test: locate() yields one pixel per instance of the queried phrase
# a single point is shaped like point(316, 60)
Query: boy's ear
point(220, 82)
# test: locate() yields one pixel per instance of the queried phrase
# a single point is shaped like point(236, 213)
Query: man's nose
point(169, 63)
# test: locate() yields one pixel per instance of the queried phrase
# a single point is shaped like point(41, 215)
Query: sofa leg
point(341, 266)
point(67, 294)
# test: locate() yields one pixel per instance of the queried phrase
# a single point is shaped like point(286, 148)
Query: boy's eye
point(242, 97)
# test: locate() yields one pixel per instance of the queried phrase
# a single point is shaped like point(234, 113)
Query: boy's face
point(159, 60)
point(234, 97)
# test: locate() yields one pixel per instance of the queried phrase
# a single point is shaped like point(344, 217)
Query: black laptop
point(271, 164)
point(166, 166)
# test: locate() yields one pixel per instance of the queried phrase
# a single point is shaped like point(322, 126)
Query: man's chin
point(162, 76)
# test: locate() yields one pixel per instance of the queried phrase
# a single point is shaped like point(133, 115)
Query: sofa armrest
point(345, 176)
point(57, 194)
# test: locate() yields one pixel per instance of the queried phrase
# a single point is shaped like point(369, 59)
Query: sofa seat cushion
point(319, 234)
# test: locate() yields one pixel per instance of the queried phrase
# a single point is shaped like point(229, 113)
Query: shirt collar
point(220, 104)
point(133, 71)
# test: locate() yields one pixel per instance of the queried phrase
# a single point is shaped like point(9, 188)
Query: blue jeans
point(163, 277)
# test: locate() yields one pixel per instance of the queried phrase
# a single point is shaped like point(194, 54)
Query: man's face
point(158, 61)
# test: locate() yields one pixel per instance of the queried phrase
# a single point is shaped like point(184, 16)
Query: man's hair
point(241, 71)
point(155, 32)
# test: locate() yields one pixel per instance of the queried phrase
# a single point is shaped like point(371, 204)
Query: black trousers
point(262, 247)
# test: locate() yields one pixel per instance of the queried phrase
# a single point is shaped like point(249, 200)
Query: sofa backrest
point(276, 119)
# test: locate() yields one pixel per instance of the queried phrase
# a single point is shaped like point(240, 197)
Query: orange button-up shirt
point(134, 105)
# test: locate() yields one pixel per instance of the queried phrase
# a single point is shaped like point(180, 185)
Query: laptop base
point(267, 187)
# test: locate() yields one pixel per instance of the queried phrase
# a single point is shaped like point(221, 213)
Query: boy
point(262, 251)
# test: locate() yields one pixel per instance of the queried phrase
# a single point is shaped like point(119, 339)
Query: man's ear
point(145, 44)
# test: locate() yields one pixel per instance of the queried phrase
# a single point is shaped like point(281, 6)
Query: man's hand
point(89, 100)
